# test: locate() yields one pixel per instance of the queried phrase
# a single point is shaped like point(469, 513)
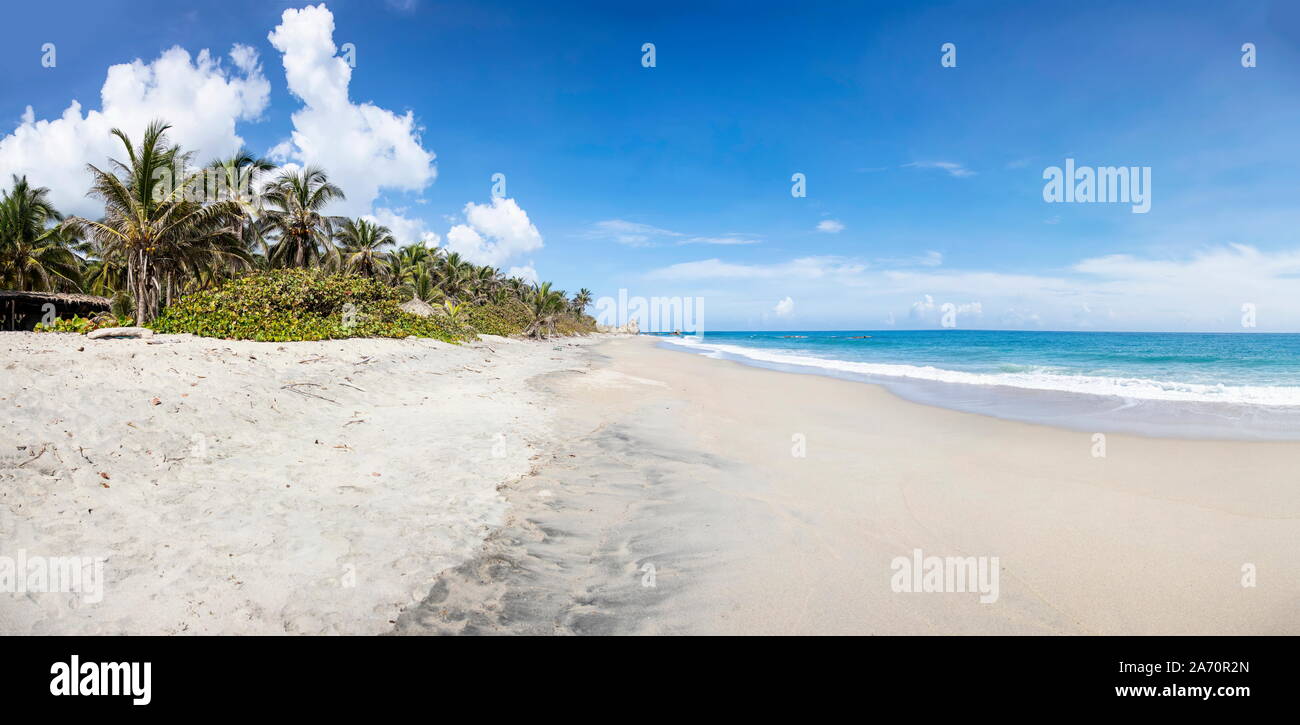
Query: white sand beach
point(239, 487)
point(689, 472)
point(597, 485)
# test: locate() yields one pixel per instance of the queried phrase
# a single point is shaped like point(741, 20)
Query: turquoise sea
point(1233, 385)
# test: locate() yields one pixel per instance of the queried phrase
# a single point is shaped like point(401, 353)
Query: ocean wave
point(1033, 379)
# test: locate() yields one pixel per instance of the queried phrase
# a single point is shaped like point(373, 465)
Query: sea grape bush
point(302, 304)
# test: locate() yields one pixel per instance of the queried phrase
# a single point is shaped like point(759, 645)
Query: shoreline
point(1151, 538)
point(1091, 411)
point(600, 485)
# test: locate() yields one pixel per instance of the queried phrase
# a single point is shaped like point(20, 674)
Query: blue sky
point(675, 180)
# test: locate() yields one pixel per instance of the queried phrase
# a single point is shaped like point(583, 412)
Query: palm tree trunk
point(143, 288)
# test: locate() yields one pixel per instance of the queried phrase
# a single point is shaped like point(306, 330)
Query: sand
point(600, 486)
point(240, 488)
point(690, 473)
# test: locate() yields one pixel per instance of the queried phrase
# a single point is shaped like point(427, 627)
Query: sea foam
point(1031, 379)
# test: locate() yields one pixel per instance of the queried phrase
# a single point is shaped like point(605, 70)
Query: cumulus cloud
point(201, 96)
point(363, 147)
point(830, 226)
point(406, 230)
point(784, 308)
point(494, 233)
point(528, 273)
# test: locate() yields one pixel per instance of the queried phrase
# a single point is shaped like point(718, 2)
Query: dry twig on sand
point(293, 388)
point(29, 460)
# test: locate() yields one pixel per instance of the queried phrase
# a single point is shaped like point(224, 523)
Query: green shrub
point(82, 325)
point(582, 325)
point(298, 304)
point(504, 319)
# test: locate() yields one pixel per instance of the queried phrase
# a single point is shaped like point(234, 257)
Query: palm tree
point(420, 286)
point(454, 312)
point(162, 231)
point(295, 201)
point(360, 242)
point(35, 253)
point(103, 274)
point(581, 301)
point(408, 261)
point(546, 305)
point(236, 179)
point(487, 280)
point(454, 276)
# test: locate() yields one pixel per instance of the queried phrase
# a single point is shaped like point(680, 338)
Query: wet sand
point(678, 505)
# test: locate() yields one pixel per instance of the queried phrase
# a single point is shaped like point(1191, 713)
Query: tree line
point(169, 230)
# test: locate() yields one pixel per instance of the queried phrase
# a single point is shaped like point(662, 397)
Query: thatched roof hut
point(418, 307)
point(22, 310)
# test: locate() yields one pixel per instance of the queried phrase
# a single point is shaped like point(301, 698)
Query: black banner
point(922, 675)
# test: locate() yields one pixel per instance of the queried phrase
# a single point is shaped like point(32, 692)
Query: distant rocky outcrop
point(631, 328)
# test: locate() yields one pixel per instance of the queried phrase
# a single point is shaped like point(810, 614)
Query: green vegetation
point(219, 251)
point(82, 325)
point(507, 318)
point(300, 304)
point(35, 254)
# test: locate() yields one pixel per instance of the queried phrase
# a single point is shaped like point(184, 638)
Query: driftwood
point(110, 333)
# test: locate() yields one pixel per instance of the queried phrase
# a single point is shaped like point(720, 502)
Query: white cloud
point(1202, 291)
point(728, 239)
point(953, 168)
point(929, 311)
point(830, 226)
point(494, 233)
point(364, 148)
point(784, 308)
point(931, 258)
point(527, 273)
point(406, 230)
point(201, 97)
point(803, 268)
point(636, 234)
point(632, 234)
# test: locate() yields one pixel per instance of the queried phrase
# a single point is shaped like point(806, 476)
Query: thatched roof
point(58, 298)
point(418, 307)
